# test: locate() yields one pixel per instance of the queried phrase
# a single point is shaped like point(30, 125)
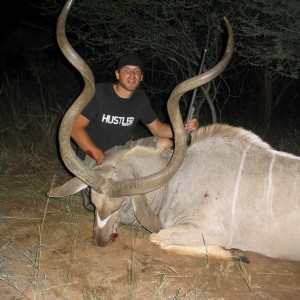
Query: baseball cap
point(129, 60)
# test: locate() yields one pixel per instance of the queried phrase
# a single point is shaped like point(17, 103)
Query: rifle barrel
point(191, 109)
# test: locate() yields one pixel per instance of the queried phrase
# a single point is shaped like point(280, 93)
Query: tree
point(268, 38)
point(170, 37)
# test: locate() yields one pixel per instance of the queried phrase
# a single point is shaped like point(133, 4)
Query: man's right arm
point(83, 140)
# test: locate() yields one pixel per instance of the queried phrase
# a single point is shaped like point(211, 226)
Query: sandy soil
point(47, 252)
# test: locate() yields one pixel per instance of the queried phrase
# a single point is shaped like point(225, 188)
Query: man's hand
point(192, 125)
point(82, 139)
point(98, 155)
point(99, 158)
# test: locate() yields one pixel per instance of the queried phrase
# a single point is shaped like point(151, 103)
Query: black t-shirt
point(112, 119)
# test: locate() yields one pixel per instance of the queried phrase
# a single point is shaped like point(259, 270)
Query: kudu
point(228, 190)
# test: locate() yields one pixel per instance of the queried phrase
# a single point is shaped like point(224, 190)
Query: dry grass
point(43, 247)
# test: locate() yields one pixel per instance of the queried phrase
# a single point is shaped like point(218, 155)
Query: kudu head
point(108, 193)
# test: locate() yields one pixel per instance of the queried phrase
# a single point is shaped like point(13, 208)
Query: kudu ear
point(69, 188)
point(144, 213)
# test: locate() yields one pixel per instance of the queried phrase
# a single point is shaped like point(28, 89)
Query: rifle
point(191, 109)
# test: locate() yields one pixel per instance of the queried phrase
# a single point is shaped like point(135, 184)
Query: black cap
point(129, 60)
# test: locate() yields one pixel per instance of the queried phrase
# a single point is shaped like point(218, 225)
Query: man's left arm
point(160, 129)
point(163, 130)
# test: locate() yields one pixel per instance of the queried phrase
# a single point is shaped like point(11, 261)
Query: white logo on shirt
point(108, 119)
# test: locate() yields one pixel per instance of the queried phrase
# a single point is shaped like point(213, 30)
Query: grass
point(56, 237)
point(92, 295)
point(37, 283)
point(32, 113)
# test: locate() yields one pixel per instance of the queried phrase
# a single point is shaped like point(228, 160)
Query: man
point(110, 117)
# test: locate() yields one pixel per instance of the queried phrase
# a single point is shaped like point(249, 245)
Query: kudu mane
point(220, 130)
point(223, 130)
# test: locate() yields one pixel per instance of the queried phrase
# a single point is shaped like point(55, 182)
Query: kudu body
point(228, 190)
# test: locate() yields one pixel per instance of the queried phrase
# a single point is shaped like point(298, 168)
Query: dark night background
point(47, 248)
point(259, 89)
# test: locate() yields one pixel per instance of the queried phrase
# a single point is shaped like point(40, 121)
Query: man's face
point(129, 77)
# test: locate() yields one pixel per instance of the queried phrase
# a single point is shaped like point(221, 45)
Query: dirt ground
point(47, 252)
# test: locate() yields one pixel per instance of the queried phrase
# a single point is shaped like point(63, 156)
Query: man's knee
point(164, 143)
